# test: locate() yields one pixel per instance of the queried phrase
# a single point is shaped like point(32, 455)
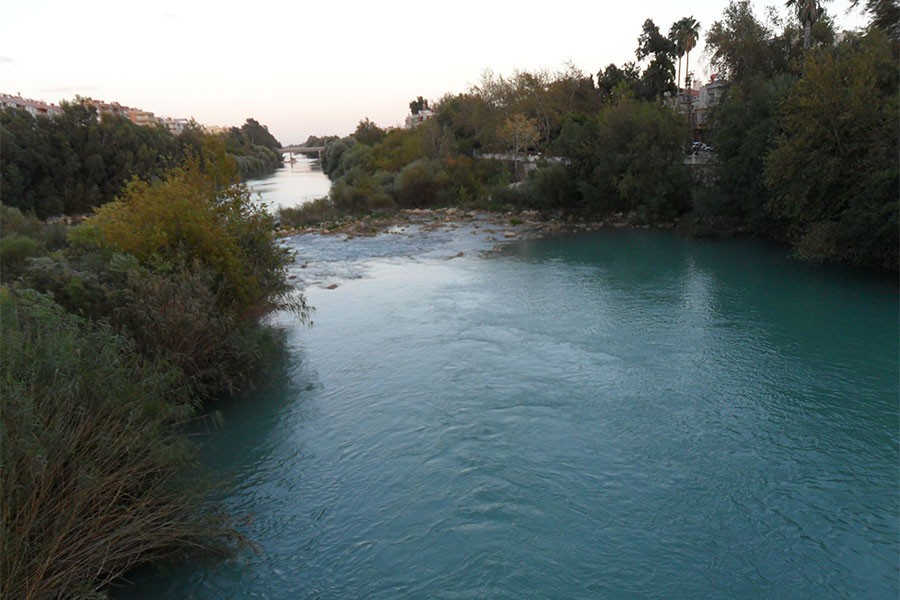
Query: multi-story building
point(698, 102)
point(36, 108)
point(710, 95)
point(142, 117)
point(215, 129)
point(175, 126)
point(137, 116)
point(109, 108)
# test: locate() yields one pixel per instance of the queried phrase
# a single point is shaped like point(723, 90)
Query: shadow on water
point(243, 446)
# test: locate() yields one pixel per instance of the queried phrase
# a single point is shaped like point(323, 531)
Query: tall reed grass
point(95, 474)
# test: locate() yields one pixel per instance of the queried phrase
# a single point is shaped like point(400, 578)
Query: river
point(293, 184)
point(619, 414)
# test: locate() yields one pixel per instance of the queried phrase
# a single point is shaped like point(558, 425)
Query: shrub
point(14, 249)
point(174, 316)
point(200, 217)
point(94, 469)
point(359, 192)
point(14, 221)
point(22, 237)
point(310, 213)
point(419, 183)
point(553, 188)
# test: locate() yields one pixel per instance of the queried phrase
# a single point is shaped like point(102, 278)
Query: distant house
point(698, 101)
point(175, 126)
point(109, 108)
point(418, 118)
point(710, 95)
point(35, 108)
point(137, 116)
point(215, 129)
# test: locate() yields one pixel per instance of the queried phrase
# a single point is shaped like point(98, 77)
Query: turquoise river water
point(618, 414)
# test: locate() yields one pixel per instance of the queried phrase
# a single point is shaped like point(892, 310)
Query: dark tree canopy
point(259, 135)
point(659, 75)
point(70, 163)
point(418, 105)
point(78, 160)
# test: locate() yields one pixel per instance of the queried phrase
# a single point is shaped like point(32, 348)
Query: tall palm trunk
point(678, 81)
point(687, 68)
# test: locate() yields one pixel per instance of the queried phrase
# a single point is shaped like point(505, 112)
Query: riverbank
point(526, 224)
point(117, 332)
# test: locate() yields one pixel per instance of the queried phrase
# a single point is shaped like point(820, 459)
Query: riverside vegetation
point(117, 331)
point(71, 163)
point(806, 141)
point(115, 334)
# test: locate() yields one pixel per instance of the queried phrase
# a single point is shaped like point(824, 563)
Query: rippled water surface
point(624, 414)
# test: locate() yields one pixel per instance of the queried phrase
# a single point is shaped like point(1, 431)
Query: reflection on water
point(293, 184)
point(621, 414)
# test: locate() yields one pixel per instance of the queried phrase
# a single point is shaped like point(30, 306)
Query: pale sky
point(316, 67)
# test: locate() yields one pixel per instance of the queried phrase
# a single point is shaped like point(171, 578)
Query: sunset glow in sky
point(318, 68)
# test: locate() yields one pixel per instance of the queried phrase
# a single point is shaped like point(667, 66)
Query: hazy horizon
point(314, 69)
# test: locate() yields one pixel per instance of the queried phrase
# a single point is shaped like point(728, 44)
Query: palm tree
point(808, 12)
point(684, 34)
point(690, 37)
point(675, 36)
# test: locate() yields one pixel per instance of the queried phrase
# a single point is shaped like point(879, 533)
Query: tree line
point(68, 164)
point(805, 139)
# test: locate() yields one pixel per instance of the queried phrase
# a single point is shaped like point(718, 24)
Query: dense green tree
point(572, 91)
point(744, 126)
point(658, 77)
point(471, 119)
point(885, 17)
point(368, 133)
point(834, 172)
point(331, 159)
point(629, 159)
point(77, 160)
point(419, 183)
point(418, 105)
point(254, 159)
point(320, 140)
point(543, 96)
point(403, 146)
point(259, 135)
point(740, 45)
point(615, 83)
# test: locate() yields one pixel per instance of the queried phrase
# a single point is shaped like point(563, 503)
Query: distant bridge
point(302, 149)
